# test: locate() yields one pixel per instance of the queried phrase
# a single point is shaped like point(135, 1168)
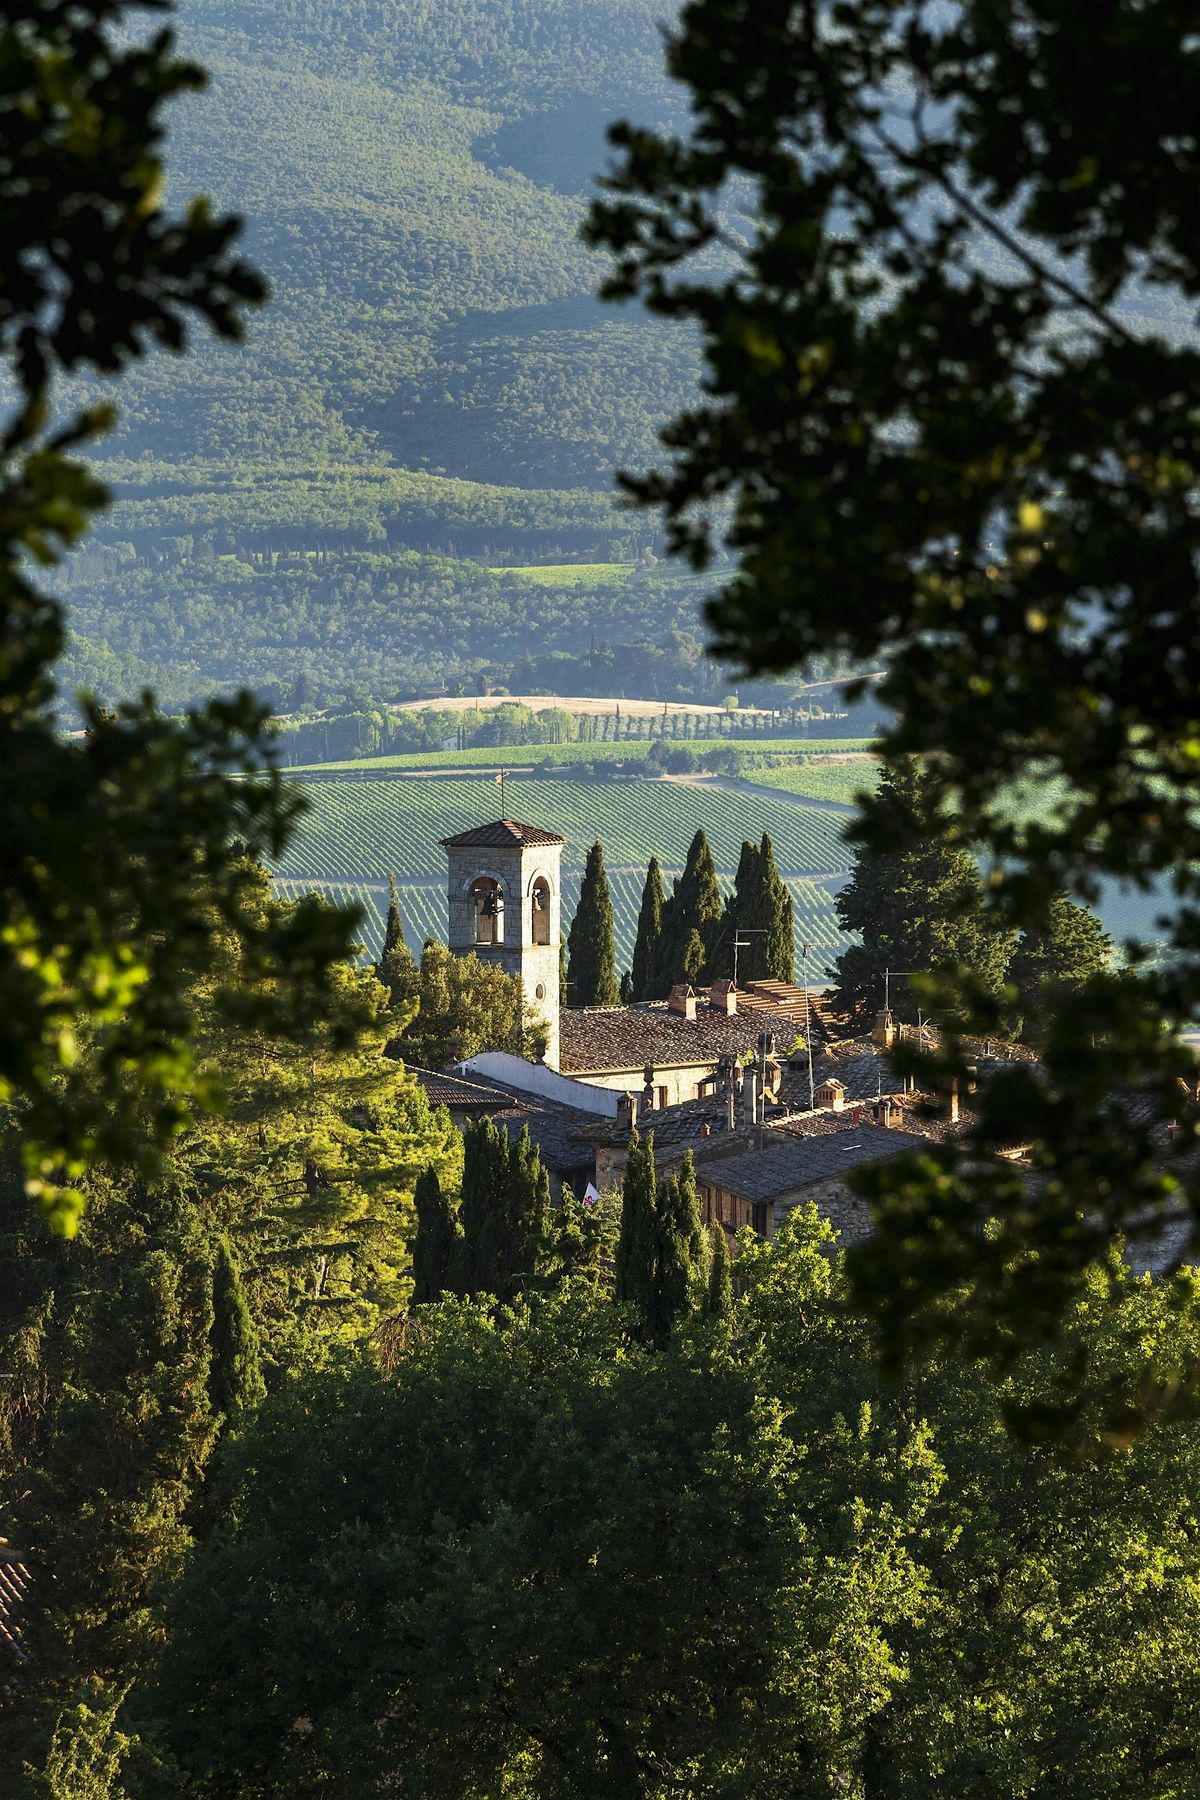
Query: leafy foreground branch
point(117, 880)
point(948, 431)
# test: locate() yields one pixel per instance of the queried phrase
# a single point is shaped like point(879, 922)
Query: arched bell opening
point(487, 898)
point(539, 910)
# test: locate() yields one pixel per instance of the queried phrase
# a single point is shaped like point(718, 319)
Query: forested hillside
point(433, 388)
point(433, 375)
point(402, 171)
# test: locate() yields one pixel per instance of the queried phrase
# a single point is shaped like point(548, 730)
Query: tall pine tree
point(637, 1245)
point(235, 1383)
point(760, 911)
point(779, 935)
point(505, 1212)
point(662, 1254)
point(914, 908)
point(397, 967)
point(591, 958)
point(719, 1301)
point(681, 1262)
point(437, 1248)
point(649, 930)
point(1071, 946)
point(695, 906)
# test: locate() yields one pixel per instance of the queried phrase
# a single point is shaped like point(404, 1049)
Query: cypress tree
point(591, 958)
point(740, 916)
point(235, 1382)
point(393, 936)
point(779, 940)
point(505, 1211)
point(760, 907)
point(437, 1247)
point(485, 1163)
point(396, 968)
point(694, 906)
point(681, 1252)
point(525, 1213)
point(719, 1303)
point(576, 1246)
point(691, 963)
point(638, 1242)
point(914, 908)
point(649, 930)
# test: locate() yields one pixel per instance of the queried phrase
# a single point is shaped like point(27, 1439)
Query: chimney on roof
point(722, 997)
point(625, 1111)
point(683, 1001)
point(706, 1129)
point(748, 1101)
point(741, 1095)
point(727, 1077)
point(831, 1094)
point(648, 1089)
point(884, 1031)
point(954, 1100)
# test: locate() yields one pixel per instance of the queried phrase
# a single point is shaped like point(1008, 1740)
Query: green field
point(569, 574)
point(527, 755)
point(357, 831)
point(837, 781)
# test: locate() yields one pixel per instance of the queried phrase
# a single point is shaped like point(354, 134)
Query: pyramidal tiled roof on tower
point(501, 834)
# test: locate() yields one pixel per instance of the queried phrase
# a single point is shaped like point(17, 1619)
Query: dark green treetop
point(649, 929)
point(591, 957)
point(437, 1247)
point(915, 906)
point(719, 1300)
point(1063, 953)
point(119, 877)
point(691, 922)
point(235, 1382)
point(950, 380)
point(760, 910)
point(505, 1212)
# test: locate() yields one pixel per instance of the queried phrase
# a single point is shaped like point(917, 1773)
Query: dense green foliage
point(591, 957)
point(950, 374)
point(271, 1233)
point(737, 1564)
point(915, 906)
point(118, 877)
point(505, 1213)
point(462, 1006)
point(1061, 954)
point(662, 1258)
point(693, 945)
point(759, 911)
point(649, 930)
point(437, 1246)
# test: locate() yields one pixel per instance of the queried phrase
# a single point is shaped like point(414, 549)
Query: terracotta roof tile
point(789, 1163)
point(501, 834)
point(627, 1037)
point(452, 1090)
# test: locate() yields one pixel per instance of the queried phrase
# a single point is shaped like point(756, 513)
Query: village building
point(761, 1185)
point(505, 907)
point(761, 1085)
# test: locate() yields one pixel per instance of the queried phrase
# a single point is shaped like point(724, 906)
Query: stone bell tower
point(505, 900)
